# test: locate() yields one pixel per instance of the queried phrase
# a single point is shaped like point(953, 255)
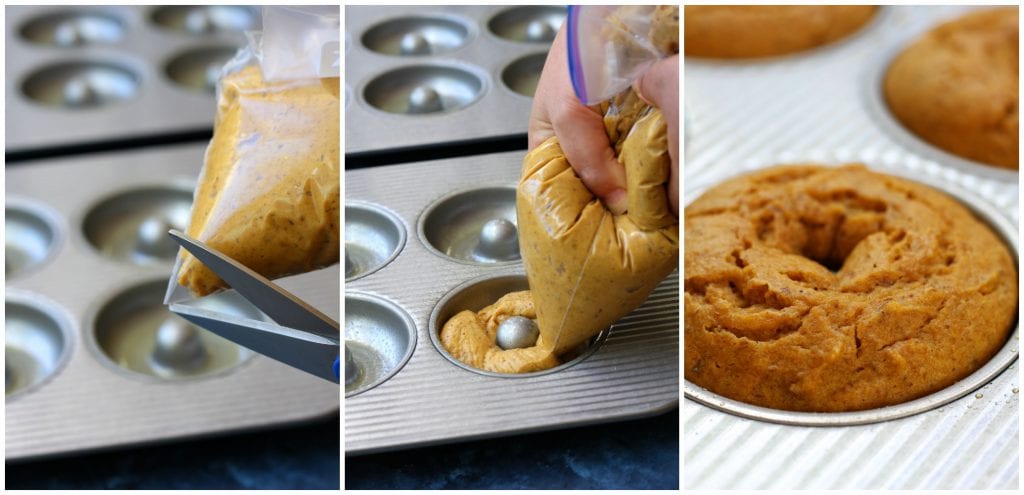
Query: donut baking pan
point(77, 75)
point(94, 358)
point(458, 218)
point(824, 106)
point(425, 76)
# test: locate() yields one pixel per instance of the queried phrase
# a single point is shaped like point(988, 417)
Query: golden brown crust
point(957, 87)
point(721, 31)
point(922, 293)
point(269, 194)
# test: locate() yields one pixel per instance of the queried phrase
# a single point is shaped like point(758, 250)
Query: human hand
point(659, 86)
point(580, 130)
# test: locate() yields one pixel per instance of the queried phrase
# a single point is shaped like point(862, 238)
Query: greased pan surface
point(823, 106)
point(431, 400)
point(123, 72)
point(466, 72)
point(83, 298)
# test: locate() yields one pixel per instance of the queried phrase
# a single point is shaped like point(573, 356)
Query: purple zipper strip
point(575, 69)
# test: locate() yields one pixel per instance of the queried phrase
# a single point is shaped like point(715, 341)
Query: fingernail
point(617, 202)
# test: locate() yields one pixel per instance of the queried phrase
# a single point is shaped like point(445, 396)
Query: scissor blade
point(310, 353)
point(277, 303)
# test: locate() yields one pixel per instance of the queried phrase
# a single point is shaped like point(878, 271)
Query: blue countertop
point(299, 457)
point(637, 454)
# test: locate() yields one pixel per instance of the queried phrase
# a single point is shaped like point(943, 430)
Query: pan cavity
point(199, 69)
point(132, 226)
point(36, 341)
point(205, 19)
point(135, 332)
point(522, 75)
point(379, 339)
point(78, 84)
point(530, 24)
point(416, 36)
point(373, 237)
point(69, 29)
point(477, 226)
point(481, 292)
point(424, 89)
point(30, 237)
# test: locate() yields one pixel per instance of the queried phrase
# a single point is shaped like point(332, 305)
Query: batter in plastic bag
point(269, 193)
point(587, 267)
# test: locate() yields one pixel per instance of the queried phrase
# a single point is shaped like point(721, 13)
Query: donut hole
point(826, 236)
point(833, 265)
point(825, 253)
point(822, 225)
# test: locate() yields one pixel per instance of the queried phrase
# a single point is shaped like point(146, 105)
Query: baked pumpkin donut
point(752, 31)
point(811, 288)
point(957, 88)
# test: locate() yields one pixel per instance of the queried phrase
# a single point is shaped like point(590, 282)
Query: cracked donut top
point(813, 288)
point(754, 31)
point(956, 87)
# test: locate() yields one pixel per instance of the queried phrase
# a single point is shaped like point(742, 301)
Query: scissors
point(303, 337)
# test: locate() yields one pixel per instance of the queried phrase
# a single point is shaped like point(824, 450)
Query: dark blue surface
point(638, 454)
point(288, 458)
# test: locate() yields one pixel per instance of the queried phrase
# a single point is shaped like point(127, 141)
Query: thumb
point(659, 85)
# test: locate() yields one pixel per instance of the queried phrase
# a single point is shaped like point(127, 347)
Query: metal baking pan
point(413, 217)
point(94, 359)
point(78, 75)
point(420, 76)
point(822, 106)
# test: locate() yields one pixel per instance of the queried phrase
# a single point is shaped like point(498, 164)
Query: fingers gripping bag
point(269, 191)
point(586, 266)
